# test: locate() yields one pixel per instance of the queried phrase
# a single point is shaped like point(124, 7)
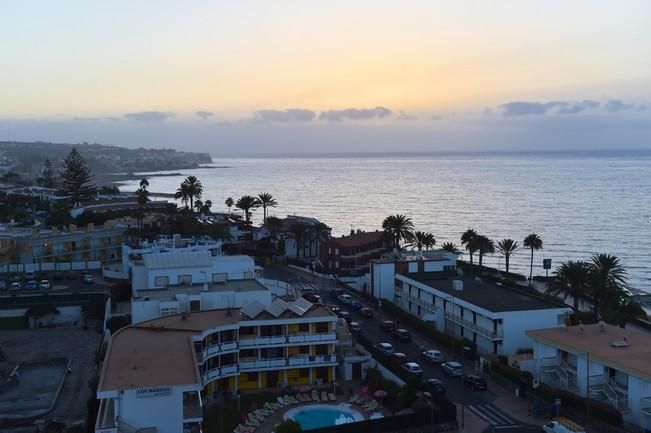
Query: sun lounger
point(324, 396)
point(315, 395)
point(271, 407)
point(259, 415)
point(291, 399)
point(251, 420)
point(265, 412)
point(353, 399)
point(332, 396)
point(281, 401)
point(371, 406)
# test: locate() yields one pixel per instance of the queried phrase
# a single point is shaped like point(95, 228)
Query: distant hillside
point(28, 157)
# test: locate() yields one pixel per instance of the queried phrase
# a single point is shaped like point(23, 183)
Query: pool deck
point(268, 426)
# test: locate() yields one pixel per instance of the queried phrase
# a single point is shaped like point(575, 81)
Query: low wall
point(49, 267)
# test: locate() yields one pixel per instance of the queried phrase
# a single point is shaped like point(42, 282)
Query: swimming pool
point(322, 415)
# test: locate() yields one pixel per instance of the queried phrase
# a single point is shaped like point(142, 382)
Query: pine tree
point(47, 174)
point(75, 178)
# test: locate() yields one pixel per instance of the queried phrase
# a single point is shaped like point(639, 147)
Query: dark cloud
point(149, 116)
point(525, 108)
point(205, 115)
point(355, 114)
point(404, 116)
point(617, 105)
point(291, 115)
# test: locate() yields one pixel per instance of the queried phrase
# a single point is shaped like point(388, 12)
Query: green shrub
point(288, 426)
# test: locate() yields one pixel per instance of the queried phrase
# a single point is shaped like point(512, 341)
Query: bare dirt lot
point(38, 345)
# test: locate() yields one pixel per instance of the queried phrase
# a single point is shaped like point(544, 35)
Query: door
point(357, 371)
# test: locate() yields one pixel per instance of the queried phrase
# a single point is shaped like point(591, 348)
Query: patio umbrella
point(380, 393)
point(304, 388)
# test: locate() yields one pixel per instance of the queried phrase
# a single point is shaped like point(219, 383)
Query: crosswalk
point(492, 415)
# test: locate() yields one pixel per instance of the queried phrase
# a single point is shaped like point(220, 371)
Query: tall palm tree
point(229, 203)
point(299, 231)
point(534, 242)
point(142, 196)
point(450, 247)
point(183, 193)
point(571, 279)
point(430, 241)
point(274, 225)
point(321, 234)
point(206, 206)
point(195, 189)
point(507, 247)
point(399, 227)
point(607, 282)
point(247, 203)
point(421, 240)
point(467, 239)
point(484, 246)
point(266, 200)
point(198, 205)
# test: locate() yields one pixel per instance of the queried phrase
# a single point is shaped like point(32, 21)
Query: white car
point(355, 327)
point(385, 348)
point(432, 355)
point(412, 368)
point(345, 299)
point(88, 279)
point(453, 368)
point(45, 285)
point(562, 425)
point(15, 286)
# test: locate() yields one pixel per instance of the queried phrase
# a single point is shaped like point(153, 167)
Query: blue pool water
point(311, 417)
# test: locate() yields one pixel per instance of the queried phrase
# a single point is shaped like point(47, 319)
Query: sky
point(320, 76)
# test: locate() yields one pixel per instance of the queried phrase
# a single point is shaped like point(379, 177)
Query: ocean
point(579, 204)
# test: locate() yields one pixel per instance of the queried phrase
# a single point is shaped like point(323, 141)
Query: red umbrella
point(380, 393)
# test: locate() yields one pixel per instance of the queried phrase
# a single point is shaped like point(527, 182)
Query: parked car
point(3, 285)
point(15, 286)
point(345, 299)
point(88, 279)
point(307, 289)
point(366, 312)
point(385, 348)
point(398, 358)
point(334, 294)
point(345, 315)
point(433, 386)
point(29, 275)
point(388, 326)
point(45, 285)
point(355, 327)
point(432, 355)
point(356, 305)
point(412, 368)
point(402, 335)
point(562, 425)
point(453, 368)
point(31, 285)
point(474, 381)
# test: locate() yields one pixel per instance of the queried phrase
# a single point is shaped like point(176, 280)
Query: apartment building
point(352, 255)
point(158, 374)
point(492, 316)
point(603, 361)
point(42, 249)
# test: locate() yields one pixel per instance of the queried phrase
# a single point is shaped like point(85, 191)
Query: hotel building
point(158, 374)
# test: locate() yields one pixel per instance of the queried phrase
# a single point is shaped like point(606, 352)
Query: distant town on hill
point(28, 157)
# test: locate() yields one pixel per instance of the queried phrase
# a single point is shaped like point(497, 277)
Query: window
point(336, 264)
point(449, 268)
point(329, 250)
point(336, 251)
point(220, 277)
point(252, 377)
point(248, 275)
point(304, 372)
point(161, 281)
point(185, 279)
point(303, 327)
point(169, 311)
point(195, 306)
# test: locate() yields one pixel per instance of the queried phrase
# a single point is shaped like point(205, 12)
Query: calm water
point(579, 205)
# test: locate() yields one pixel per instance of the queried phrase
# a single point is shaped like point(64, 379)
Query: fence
point(49, 267)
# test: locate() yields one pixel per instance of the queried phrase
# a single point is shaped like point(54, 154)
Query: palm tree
point(607, 282)
point(534, 242)
point(298, 231)
point(467, 241)
point(266, 200)
point(421, 240)
point(229, 203)
point(450, 247)
point(195, 189)
point(399, 227)
point(183, 193)
point(484, 246)
point(274, 225)
point(247, 203)
point(570, 279)
point(206, 206)
point(430, 241)
point(507, 247)
point(198, 205)
point(143, 197)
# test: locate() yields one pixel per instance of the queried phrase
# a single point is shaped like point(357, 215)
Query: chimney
point(457, 285)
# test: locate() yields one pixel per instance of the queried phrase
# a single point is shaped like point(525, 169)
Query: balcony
point(292, 361)
point(219, 373)
point(473, 326)
point(216, 349)
point(418, 301)
point(364, 253)
point(263, 341)
point(311, 338)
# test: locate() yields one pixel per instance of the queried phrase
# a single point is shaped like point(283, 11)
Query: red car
point(366, 312)
point(388, 326)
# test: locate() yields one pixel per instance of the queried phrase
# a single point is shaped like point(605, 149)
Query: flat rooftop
point(140, 357)
point(634, 358)
point(250, 285)
point(485, 295)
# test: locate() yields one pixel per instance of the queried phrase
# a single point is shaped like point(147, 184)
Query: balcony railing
point(219, 372)
point(292, 361)
point(215, 349)
point(263, 341)
point(284, 339)
point(364, 253)
point(473, 326)
point(311, 338)
point(418, 301)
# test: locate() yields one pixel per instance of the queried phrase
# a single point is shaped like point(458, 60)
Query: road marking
point(491, 414)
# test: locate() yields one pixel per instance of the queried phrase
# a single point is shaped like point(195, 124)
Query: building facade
point(603, 361)
point(160, 373)
point(352, 255)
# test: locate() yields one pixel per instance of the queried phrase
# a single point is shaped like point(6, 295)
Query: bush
point(288, 426)
point(117, 322)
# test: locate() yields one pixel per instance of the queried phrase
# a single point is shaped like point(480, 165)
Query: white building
point(609, 363)
point(494, 317)
point(156, 374)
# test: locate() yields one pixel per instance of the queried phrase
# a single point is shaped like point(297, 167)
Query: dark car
point(345, 315)
point(366, 312)
point(398, 358)
point(433, 386)
point(356, 305)
point(402, 335)
point(334, 308)
point(387, 326)
point(474, 381)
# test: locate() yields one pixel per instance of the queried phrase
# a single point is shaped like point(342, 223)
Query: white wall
point(383, 280)
point(516, 323)
point(168, 409)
